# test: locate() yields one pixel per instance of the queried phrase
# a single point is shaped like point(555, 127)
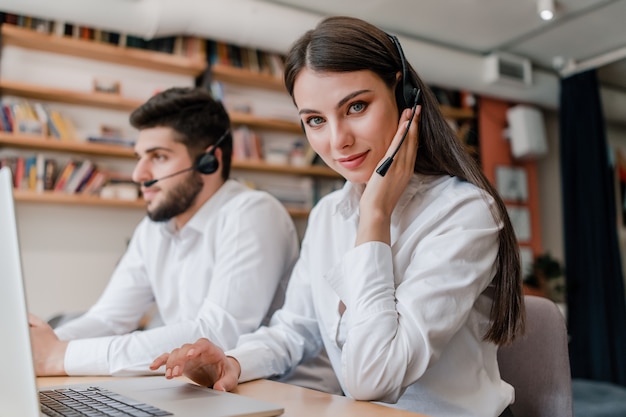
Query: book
point(64, 175)
point(61, 127)
point(223, 56)
point(94, 184)
point(11, 18)
point(85, 179)
point(68, 29)
point(253, 60)
point(246, 144)
point(135, 42)
point(7, 118)
point(30, 173)
point(58, 28)
point(179, 45)
point(18, 172)
point(111, 141)
point(113, 38)
point(49, 174)
point(41, 25)
point(86, 32)
point(81, 172)
point(211, 51)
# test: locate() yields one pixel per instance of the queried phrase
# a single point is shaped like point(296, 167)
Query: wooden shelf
point(251, 120)
point(93, 99)
point(457, 113)
point(84, 48)
point(247, 78)
point(117, 102)
point(51, 197)
point(313, 171)
point(22, 141)
point(51, 144)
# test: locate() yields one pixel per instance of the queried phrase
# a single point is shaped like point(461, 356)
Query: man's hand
point(48, 350)
point(203, 363)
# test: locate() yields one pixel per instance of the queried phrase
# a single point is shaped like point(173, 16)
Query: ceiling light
point(545, 8)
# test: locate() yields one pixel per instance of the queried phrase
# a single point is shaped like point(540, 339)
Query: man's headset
point(407, 96)
point(206, 163)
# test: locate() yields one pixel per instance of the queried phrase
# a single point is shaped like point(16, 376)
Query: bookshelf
point(117, 102)
point(55, 197)
point(182, 68)
point(82, 48)
point(22, 141)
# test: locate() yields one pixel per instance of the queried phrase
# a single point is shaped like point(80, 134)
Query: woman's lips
point(352, 161)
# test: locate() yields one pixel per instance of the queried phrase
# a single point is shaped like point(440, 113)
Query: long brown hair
point(345, 44)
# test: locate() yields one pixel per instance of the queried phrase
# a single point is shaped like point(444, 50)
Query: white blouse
point(416, 311)
point(216, 277)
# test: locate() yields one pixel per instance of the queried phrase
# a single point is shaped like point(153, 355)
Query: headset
point(206, 163)
point(407, 97)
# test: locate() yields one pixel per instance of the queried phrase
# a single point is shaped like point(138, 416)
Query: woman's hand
point(383, 193)
point(203, 363)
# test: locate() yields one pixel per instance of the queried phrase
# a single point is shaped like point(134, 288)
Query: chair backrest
point(537, 363)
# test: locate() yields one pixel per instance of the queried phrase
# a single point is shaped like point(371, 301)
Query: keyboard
point(93, 401)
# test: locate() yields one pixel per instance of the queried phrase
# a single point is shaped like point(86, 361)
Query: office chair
point(537, 363)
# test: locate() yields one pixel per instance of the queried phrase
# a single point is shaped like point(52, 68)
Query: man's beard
point(178, 200)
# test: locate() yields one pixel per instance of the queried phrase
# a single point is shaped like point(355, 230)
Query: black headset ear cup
point(207, 163)
point(410, 93)
point(405, 95)
point(406, 92)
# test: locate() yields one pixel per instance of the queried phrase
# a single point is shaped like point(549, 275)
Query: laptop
point(18, 388)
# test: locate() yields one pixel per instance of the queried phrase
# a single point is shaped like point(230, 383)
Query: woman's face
point(350, 119)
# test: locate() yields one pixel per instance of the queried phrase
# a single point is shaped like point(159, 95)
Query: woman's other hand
point(383, 193)
point(202, 362)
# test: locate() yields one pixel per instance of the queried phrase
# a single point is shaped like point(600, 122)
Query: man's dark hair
point(198, 120)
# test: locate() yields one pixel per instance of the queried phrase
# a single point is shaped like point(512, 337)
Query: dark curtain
point(595, 287)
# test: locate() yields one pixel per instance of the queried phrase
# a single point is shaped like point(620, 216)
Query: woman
point(410, 280)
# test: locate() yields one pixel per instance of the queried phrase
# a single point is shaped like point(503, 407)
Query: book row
point(247, 58)
point(36, 119)
point(248, 145)
point(218, 52)
point(190, 46)
point(38, 173)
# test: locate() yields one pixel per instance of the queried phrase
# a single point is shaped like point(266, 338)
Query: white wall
point(69, 252)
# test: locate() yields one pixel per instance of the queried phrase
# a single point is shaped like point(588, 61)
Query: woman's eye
point(315, 121)
point(357, 107)
point(159, 157)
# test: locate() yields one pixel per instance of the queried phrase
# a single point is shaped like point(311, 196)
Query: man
point(213, 255)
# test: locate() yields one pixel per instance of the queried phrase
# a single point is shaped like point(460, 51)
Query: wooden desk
point(297, 401)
